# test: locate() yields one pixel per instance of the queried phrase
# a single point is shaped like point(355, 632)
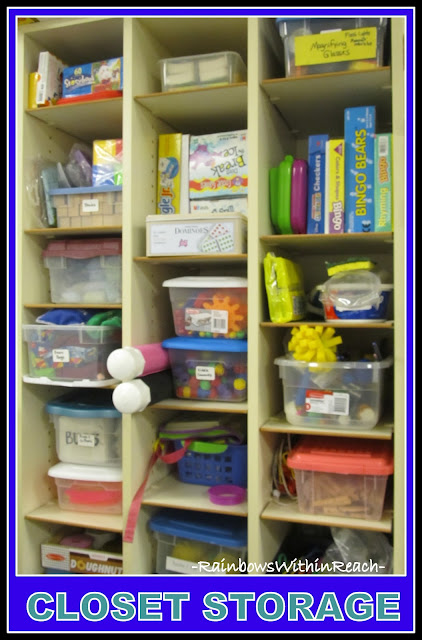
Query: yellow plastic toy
point(314, 344)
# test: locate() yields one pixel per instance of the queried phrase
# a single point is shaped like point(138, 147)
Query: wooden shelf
point(195, 259)
point(198, 405)
point(388, 324)
point(286, 509)
point(72, 305)
point(316, 243)
point(171, 492)
point(51, 232)
point(204, 110)
point(279, 424)
point(51, 512)
point(88, 121)
point(302, 101)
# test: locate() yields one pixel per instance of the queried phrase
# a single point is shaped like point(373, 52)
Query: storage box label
point(327, 402)
point(204, 373)
point(336, 46)
point(61, 355)
point(90, 206)
point(215, 321)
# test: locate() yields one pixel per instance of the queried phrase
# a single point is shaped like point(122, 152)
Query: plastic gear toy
point(314, 344)
point(236, 319)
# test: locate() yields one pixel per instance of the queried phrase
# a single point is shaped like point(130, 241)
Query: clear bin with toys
point(187, 538)
point(337, 394)
point(209, 307)
point(83, 487)
point(345, 477)
point(85, 270)
point(208, 369)
point(324, 45)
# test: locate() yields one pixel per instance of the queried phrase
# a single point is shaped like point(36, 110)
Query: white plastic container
point(191, 234)
point(88, 428)
point(205, 70)
point(209, 307)
point(70, 353)
point(344, 477)
point(337, 394)
point(324, 45)
point(89, 488)
point(85, 270)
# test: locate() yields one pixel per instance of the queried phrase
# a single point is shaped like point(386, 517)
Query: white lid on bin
point(207, 282)
point(69, 471)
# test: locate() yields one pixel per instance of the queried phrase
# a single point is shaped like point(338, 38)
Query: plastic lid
point(206, 344)
point(70, 471)
point(342, 455)
point(76, 190)
point(83, 248)
point(214, 529)
point(96, 403)
point(125, 363)
point(338, 364)
point(207, 282)
point(131, 396)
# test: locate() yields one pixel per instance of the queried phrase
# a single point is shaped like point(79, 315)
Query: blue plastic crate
point(211, 463)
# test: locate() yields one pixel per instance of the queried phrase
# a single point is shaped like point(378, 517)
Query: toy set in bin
point(338, 476)
point(88, 433)
point(209, 355)
point(185, 539)
point(217, 452)
point(322, 390)
point(324, 45)
point(85, 270)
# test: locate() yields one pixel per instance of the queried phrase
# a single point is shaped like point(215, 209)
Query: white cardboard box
point(174, 235)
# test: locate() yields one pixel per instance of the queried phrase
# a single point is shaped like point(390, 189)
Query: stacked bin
point(88, 434)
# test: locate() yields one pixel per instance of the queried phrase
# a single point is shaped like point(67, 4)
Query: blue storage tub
point(187, 540)
point(208, 368)
point(212, 463)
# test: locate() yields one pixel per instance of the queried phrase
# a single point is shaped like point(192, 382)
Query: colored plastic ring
point(226, 494)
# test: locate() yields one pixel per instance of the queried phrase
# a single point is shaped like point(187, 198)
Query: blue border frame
point(151, 598)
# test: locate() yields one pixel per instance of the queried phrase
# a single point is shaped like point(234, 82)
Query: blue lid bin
point(88, 428)
point(208, 368)
point(194, 542)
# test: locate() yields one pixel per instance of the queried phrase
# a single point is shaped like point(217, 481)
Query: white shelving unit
point(279, 114)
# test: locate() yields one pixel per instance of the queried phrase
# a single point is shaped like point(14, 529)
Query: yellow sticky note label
point(336, 46)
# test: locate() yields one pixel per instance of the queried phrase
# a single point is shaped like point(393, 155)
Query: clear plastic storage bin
point(337, 394)
point(82, 487)
point(324, 45)
point(88, 206)
point(344, 477)
point(85, 270)
point(210, 69)
point(186, 539)
point(209, 307)
point(67, 353)
point(88, 428)
point(208, 369)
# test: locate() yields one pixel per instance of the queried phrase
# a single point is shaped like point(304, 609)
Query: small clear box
point(205, 70)
point(88, 428)
point(345, 477)
point(208, 369)
point(337, 394)
point(68, 353)
point(93, 489)
point(209, 307)
point(187, 539)
point(325, 45)
point(85, 270)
